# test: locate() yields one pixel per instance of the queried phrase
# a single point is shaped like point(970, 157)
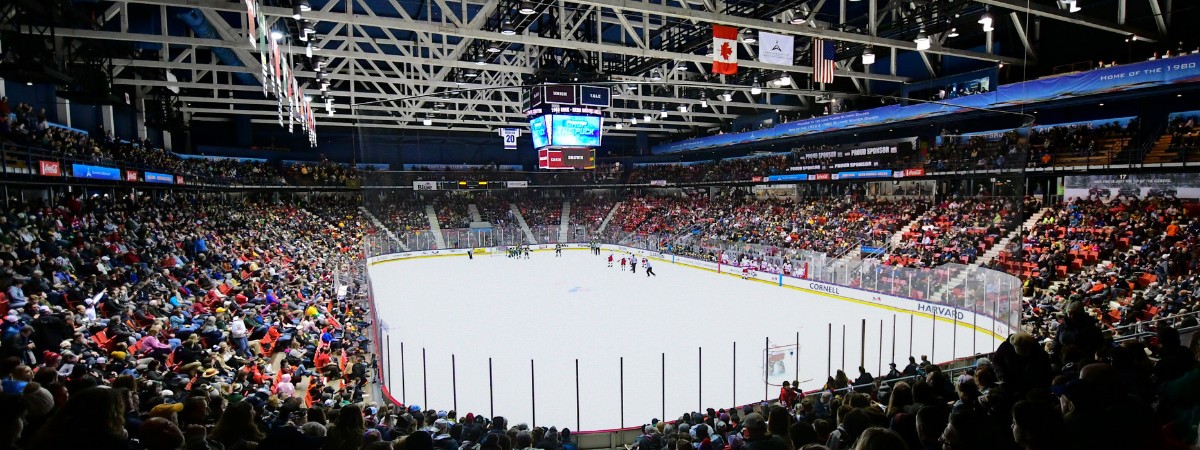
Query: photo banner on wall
point(1171, 185)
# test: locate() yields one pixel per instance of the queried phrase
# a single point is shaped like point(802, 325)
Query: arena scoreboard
point(566, 124)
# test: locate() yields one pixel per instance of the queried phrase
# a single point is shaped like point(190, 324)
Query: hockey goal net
point(780, 363)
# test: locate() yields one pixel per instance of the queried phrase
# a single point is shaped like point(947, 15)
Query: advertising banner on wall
point(1171, 185)
point(131, 175)
point(95, 172)
point(425, 185)
point(516, 184)
point(50, 168)
point(160, 178)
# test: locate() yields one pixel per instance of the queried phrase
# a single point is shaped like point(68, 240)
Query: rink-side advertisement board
point(997, 327)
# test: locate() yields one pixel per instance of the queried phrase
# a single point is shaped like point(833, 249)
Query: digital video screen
point(537, 128)
point(574, 131)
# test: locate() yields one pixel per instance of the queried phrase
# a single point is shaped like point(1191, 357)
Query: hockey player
point(526, 252)
point(610, 260)
point(622, 264)
point(557, 250)
point(649, 269)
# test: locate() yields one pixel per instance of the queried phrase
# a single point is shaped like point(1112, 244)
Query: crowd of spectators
point(1184, 132)
point(138, 322)
point(22, 126)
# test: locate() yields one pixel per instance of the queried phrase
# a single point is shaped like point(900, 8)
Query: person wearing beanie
point(39, 400)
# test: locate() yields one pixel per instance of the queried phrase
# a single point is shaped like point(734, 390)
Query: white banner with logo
point(425, 185)
point(776, 48)
point(517, 184)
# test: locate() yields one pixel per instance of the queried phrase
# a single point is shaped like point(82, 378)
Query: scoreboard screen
point(574, 131)
point(539, 131)
point(567, 158)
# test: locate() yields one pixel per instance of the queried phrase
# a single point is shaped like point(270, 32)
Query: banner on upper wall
point(95, 172)
point(160, 178)
point(50, 168)
point(658, 182)
point(510, 135)
point(1171, 185)
point(776, 48)
point(425, 185)
point(516, 184)
point(179, 180)
point(1161, 72)
point(131, 175)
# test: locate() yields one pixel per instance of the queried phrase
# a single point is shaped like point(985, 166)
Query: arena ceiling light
point(784, 79)
point(749, 37)
point(618, 126)
point(276, 35)
point(727, 96)
point(922, 40)
point(655, 75)
point(481, 59)
point(756, 88)
point(633, 121)
point(527, 8)
point(493, 47)
point(1071, 6)
point(663, 112)
point(299, 7)
point(868, 56)
point(953, 33)
point(472, 73)
point(987, 21)
point(682, 108)
point(507, 28)
point(798, 18)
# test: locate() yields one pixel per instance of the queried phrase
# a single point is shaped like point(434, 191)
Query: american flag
point(824, 55)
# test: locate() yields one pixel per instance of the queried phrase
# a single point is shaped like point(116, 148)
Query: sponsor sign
point(865, 174)
point(535, 97)
point(95, 172)
point(914, 172)
point(425, 186)
point(160, 178)
point(562, 95)
point(595, 96)
point(820, 176)
point(567, 158)
point(131, 175)
point(756, 179)
point(792, 177)
point(516, 184)
point(179, 179)
point(50, 168)
point(658, 182)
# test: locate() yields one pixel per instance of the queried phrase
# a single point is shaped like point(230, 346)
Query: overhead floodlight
point(276, 35)
point(953, 33)
point(633, 121)
point(1070, 5)
point(727, 96)
point(481, 59)
point(308, 98)
point(681, 66)
point(507, 28)
point(784, 79)
point(302, 5)
point(427, 122)
point(682, 108)
point(703, 103)
point(750, 37)
point(922, 40)
point(297, 13)
point(619, 126)
point(527, 8)
point(798, 18)
point(868, 56)
point(987, 21)
point(471, 74)
point(646, 118)
point(493, 47)
point(756, 88)
point(663, 113)
point(655, 75)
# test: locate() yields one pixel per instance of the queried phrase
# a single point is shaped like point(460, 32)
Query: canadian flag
point(724, 50)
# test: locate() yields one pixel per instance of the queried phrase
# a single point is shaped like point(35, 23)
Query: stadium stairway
point(898, 237)
point(564, 224)
point(521, 221)
point(474, 212)
point(1002, 244)
point(991, 254)
point(379, 225)
point(608, 218)
point(435, 227)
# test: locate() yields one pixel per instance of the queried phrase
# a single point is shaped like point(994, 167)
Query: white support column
point(2, 90)
point(106, 117)
point(64, 111)
point(167, 140)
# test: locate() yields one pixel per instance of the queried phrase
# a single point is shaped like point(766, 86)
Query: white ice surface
point(556, 310)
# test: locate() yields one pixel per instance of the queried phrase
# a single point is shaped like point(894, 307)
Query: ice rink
point(556, 310)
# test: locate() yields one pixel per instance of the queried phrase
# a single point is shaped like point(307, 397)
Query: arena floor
point(554, 310)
